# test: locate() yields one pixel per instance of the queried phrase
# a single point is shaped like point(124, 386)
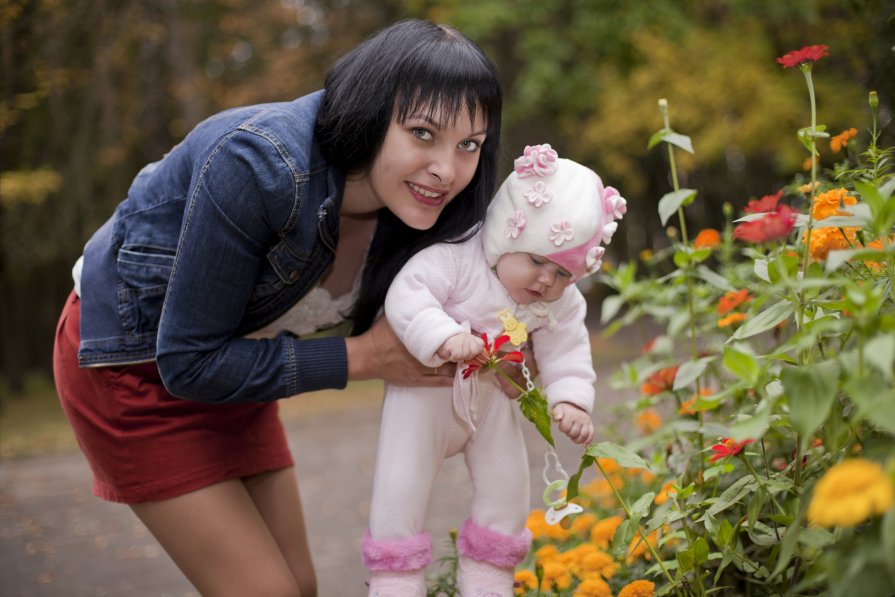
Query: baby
point(543, 232)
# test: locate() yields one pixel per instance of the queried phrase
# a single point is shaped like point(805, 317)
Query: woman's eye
point(469, 145)
point(421, 133)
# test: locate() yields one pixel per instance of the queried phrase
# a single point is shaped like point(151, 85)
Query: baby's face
point(532, 278)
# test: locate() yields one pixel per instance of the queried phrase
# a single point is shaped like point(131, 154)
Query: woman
point(230, 247)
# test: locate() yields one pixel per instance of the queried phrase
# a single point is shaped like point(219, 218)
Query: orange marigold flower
point(645, 254)
point(806, 165)
point(765, 204)
point(707, 238)
point(728, 447)
point(808, 186)
point(804, 56)
point(608, 465)
point(841, 140)
point(640, 548)
point(878, 244)
point(599, 562)
point(733, 299)
point(658, 382)
point(648, 421)
point(602, 532)
point(526, 581)
point(638, 588)
point(824, 240)
point(688, 407)
point(731, 319)
point(828, 204)
point(666, 492)
point(593, 587)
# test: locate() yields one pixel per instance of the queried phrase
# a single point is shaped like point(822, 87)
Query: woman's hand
point(378, 354)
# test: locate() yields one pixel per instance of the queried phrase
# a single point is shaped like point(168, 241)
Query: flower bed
point(766, 460)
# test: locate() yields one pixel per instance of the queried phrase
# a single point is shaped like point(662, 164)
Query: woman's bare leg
point(276, 496)
point(221, 542)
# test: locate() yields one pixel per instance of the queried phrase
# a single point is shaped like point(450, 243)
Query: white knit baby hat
point(555, 208)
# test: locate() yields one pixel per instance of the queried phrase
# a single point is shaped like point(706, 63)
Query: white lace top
point(315, 311)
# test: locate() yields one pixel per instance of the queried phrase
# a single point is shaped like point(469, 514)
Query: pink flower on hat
point(515, 225)
point(608, 230)
point(561, 232)
point(614, 205)
point(594, 259)
point(536, 160)
point(539, 194)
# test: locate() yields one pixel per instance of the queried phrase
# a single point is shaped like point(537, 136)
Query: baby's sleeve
point(414, 305)
point(564, 356)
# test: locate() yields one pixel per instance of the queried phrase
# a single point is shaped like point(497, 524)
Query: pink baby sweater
point(447, 287)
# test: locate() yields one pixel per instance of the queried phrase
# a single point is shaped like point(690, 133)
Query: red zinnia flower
point(804, 56)
point(728, 447)
point(766, 203)
point(658, 382)
point(489, 357)
point(774, 226)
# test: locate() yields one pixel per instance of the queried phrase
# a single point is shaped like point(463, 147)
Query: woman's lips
point(426, 195)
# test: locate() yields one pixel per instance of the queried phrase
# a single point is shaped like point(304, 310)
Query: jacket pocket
point(143, 280)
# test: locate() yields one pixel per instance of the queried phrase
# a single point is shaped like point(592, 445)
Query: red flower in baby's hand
point(490, 357)
point(728, 447)
point(806, 55)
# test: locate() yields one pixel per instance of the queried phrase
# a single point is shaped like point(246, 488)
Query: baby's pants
point(419, 430)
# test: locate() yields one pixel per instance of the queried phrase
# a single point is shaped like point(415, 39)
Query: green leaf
point(700, 551)
point(742, 365)
point(574, 480)
point(888, 537)
point(810, 391)
point(534, 408)
point(874, 398)
point(623, 456)
point(752, 427)
point(880, 351)
point(689, 371)
point(622, 538)
point(670, 202)
point(765, 320)
point(732, 495)
point(714, 279)
point(725, 535)
point(837, 257)
point(611, 305)
point(669, 136)
point(685, 560)
point(641, 506)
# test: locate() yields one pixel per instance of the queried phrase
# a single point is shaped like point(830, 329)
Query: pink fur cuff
point(486, 545)
point(394, 555)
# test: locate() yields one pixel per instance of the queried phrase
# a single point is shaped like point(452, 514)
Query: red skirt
point(144, 444)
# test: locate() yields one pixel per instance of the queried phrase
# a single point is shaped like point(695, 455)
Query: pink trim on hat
point(575, 259)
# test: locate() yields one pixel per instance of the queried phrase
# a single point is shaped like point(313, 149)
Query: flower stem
point(628, 513)
point(806, 70)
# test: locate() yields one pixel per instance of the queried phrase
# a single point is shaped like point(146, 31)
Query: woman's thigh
point(275, 494)
point(221, 542)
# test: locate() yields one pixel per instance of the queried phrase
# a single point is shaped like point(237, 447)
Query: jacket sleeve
point(564, 356)
point(241, 194)
point(415, 303)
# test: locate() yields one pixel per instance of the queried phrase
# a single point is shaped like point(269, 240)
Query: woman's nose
point(441, 166)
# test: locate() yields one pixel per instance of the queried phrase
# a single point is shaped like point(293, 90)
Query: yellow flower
point(604, 530)
point(556, 577)
point(547, 553)
point(638, 588)
point(539, 528)
point(640, 548)
point(646, 254)
point(583, 523)
point(806, 165)
point(648, 421)
point(526, 581)
point(608, 465)
point(850, 493)
point(593, 587)
point(731, 319)
point(828, 204)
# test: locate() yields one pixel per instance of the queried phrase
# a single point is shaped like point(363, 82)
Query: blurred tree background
point(93, 90)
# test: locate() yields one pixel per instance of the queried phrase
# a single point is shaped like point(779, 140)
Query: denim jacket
point(217, 239)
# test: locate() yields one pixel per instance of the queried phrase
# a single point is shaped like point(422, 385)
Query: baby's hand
point(574, 422)
point(461, 347)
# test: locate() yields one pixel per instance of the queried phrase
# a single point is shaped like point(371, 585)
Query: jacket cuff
point(319, 364)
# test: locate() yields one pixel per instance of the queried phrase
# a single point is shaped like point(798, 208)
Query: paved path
point(57, 539)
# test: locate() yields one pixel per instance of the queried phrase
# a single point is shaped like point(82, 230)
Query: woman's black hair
point(406, 68)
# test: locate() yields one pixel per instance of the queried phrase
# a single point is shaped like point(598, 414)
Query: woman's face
point(423, 164)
